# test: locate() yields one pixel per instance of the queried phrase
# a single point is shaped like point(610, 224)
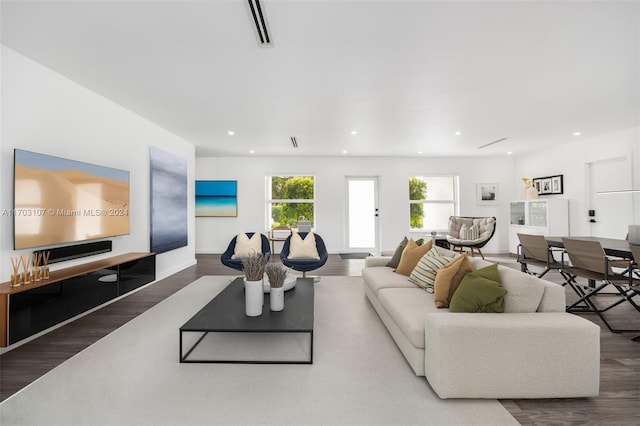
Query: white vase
point(531, 193)
point(253, 298)
point(277, 298)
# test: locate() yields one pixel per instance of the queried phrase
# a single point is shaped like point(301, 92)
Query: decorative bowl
point(289, 283)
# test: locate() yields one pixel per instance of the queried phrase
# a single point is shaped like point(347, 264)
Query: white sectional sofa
point(532, 350)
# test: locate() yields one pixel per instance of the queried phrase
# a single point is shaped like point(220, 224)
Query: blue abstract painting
point(218, 198)
point(169, 226)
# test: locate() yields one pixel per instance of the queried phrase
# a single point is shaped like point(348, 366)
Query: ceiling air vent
point(260, 22)
point(491, 143)
point(294, 141)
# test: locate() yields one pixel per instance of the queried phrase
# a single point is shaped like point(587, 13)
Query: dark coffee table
point(223, 333)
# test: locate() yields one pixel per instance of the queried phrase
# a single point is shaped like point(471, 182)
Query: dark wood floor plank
point(618, 403)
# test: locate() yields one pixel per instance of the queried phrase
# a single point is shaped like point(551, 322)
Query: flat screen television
point(59, 201)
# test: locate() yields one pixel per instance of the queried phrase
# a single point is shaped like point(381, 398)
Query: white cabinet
point(540, 217)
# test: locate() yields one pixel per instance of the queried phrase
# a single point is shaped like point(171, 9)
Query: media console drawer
point(32, 308)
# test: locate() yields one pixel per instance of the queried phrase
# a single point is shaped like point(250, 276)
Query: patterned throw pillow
point(424, 274)
point(469, 233)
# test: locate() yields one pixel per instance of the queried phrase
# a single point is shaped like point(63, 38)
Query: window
point(432, 199)
point(291, 198)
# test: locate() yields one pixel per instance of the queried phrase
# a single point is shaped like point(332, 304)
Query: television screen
point(57, 200)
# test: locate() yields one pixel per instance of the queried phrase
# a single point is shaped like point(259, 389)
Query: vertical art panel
point(168, 201)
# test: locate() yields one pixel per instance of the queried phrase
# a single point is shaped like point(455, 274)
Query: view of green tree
point(417, 191)
point(291, 188)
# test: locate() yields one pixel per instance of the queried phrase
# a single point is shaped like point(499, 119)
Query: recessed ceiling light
point(420, 152)
point(457, 133)
point(509, 152)
point(344, 151)
point(231, 133)
point(252, 152)
point(576, 133)
point(354, 132)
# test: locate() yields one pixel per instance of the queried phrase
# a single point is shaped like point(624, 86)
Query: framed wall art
point(216, 198)
point(487, 194)
point(549, 185)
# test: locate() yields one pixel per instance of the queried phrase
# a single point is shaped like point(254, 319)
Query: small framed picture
point(487, 194)
point(556, 185)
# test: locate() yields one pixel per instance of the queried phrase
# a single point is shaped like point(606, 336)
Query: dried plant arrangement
point(253, 266)
point(277, 274)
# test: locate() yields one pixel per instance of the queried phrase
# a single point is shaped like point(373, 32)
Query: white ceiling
point(406, 75)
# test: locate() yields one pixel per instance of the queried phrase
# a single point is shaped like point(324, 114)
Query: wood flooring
point(618, 403)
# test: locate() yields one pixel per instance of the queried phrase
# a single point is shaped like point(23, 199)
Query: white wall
point(214, 234)
point(571, 159)
point(45, 112)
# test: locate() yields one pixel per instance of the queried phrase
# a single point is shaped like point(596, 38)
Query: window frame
point(455, 201)
point(270, 201)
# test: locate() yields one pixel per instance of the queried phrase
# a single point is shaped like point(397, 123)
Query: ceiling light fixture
point(491, 143)
point(231, 133)
point(252, 152)
point(354, 132)
point(457, 133)
point(344, 151)
point(509, 152)
point(576, 133)
point(260, 22)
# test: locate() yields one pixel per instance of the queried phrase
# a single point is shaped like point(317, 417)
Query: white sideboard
point(542, 216)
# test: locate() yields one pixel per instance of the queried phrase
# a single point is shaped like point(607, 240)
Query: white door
point(362, 213)
point(613, 213)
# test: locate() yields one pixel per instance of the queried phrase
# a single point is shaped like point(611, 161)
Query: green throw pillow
point(479, 291)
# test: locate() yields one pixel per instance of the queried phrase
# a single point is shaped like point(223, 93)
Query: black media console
point(29, 309)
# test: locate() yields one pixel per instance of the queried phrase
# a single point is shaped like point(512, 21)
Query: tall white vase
point(253, 298)
point(276, 299)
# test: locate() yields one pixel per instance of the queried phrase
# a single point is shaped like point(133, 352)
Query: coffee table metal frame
point(225, 313)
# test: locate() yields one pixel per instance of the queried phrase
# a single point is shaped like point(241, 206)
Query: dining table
point(611, 246)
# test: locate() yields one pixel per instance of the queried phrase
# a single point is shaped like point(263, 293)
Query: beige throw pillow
point(448, 278)
point(303, 249)
point(411, 254)
point(246, 246)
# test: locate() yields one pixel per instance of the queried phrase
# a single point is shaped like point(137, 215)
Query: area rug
point(354, 255)
point(133, 377)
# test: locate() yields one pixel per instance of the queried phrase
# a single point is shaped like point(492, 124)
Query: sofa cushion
point(246, 246)
point(411, 255)
point(408, 307)
point(524, 292)
point(424, 273)
point(448, 279)
point(379, 277)
point(479, 291)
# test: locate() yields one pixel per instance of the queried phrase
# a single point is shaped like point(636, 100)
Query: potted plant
point(253, 268)
point(277, 275)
